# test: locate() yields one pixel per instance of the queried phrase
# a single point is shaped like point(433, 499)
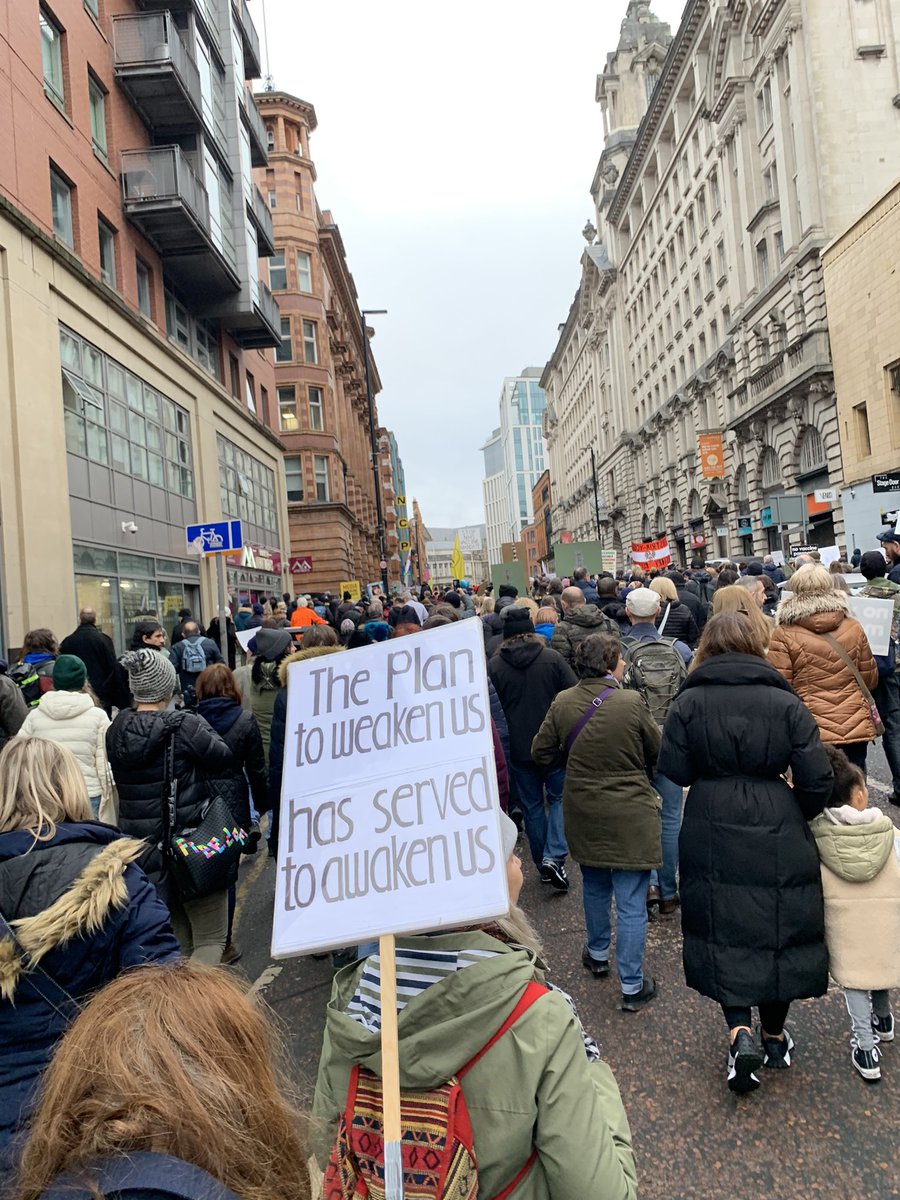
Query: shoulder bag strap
point(170, 788)
point(585, 717)
point(860, 682)
point(51, 992)
point(662, 623)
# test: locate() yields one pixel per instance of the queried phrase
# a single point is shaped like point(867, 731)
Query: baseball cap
point(888, 535)
point(642, 602)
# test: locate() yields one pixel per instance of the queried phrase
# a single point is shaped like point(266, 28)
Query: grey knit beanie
point(151, 676)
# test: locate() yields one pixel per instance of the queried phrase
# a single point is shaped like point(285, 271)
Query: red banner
point(651, 554)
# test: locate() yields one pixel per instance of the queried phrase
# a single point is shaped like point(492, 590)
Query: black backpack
point(32, 680)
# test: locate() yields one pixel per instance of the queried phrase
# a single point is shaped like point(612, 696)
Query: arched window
point(677, 518)
point(645, 528)
point(740, 484)
point(770, 469)
point(812, 451)
point(660, 521)
point(695, 506)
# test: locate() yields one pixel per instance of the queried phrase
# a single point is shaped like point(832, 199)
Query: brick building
point(541, 506)
point(323, 416)
point(396, 514)
point(136, 332)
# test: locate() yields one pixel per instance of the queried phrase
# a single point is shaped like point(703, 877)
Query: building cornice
point(302, 108)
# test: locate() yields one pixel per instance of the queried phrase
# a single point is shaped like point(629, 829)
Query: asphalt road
point(816, 1130)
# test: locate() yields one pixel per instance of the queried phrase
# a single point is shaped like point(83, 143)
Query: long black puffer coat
point(246, 775)
point(136, 748)
point(751, 894)
point(680, 623)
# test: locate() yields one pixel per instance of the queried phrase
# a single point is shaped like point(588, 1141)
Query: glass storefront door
point(102, 595)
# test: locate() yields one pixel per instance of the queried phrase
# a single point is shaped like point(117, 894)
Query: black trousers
point(856, 752)
point(771, 1017)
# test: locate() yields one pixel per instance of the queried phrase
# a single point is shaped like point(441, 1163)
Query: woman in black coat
point(751, 894)
point(678, 618)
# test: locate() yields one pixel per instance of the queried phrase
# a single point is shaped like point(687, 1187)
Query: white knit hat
point(151, 676)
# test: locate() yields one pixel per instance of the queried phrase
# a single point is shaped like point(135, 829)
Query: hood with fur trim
point(799, 610)
point(93, 877)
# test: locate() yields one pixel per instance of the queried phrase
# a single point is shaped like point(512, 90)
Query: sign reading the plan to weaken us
point(389, 804)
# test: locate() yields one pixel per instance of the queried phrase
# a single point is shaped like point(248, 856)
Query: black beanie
point(516, 620)
point(872, 565)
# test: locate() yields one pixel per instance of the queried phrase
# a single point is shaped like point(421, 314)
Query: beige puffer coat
point(861, 882)
point(817, 673)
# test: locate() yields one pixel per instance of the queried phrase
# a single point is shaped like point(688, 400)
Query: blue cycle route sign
point(214, 537)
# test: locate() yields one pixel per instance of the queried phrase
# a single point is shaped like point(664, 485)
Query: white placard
point(390, 816)
point(245, 637)
point(829, 554)
point(778, 558)
point(875, 616)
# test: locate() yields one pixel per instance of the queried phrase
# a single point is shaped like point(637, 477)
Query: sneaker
point(884, 1027)
point(231, 954)
point(744, 1059)
point(867, 1063)
point(777, 1051)
point(599, 968)
point(554, 873)
point(639, 1000)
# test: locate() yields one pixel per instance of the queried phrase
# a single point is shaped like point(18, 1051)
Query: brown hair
point(847, 776)
point(217, 680)
point(729, 633)
point(735, 598)
point(175, 1059)
point(318, 635)
point(40, 641)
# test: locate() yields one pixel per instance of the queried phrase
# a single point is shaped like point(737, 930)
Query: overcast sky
point(455, 148)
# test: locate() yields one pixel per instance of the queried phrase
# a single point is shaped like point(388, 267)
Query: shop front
point(254, 575)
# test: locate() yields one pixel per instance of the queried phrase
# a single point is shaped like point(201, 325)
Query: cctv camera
point(129, 527)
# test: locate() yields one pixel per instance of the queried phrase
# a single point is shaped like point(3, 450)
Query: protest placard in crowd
point(389, 809)
point(875, 616)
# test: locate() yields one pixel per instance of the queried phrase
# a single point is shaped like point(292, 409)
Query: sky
point(455, 148)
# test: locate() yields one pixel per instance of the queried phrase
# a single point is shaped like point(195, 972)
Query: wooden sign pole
point(390, 1071)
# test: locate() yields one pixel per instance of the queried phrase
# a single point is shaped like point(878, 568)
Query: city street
point(816, 1130)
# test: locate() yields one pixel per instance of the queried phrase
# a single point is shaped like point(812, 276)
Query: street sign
point(404, 545)
point(889, 482)
point(300, 564)
point(403, 523)
point(826, 495)
point(214, 537)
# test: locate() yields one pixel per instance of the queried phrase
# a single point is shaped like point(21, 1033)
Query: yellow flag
point(457, 562)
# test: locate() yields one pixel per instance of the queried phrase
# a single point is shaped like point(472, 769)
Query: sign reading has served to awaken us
point(389, 807)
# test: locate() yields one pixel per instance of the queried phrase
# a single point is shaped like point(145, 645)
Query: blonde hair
point(547, 613)
point(664, 588)
point(529, 604)
point(517, 927)
point(175, 1059)
point(488, 604)
point(734, 599)
point(41, 786)
point(811, 579)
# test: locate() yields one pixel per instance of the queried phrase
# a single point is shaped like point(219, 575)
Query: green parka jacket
point(611, 809)
point(534, 1089)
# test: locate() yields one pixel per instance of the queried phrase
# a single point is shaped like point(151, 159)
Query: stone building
point(323, 415)
point(396, 513)
point(542, 508)
point(864, 319)
point(136, 331)
point(730, 159)
point(472, 543)
point(419, 538)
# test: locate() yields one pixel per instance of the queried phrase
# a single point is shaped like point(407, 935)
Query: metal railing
point(268, 306)
point(251, 37)
point(162, 174)
point(254, 120)
point(151, 39)
point(263, 215)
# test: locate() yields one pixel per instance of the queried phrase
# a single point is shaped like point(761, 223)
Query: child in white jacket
point(860, 852)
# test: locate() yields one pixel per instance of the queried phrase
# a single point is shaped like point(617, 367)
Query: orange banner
point(712, 456)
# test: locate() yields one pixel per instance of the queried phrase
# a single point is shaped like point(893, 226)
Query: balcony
point(199, 8)
point(164, 198)
point(261, 216)
point(252, 317)
point(259, 139)
point(155, 69)
point(250, 39)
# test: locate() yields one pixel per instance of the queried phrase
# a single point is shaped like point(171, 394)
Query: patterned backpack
point(436, 1143)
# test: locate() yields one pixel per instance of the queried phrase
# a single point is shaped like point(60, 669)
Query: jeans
point(630, 890)
point(856, 752)
point(666, 878)
point(201, 926)
point(860, 1006)
point(543, 827)
point(771, 1017)
point(887, 697)
point(95, 806)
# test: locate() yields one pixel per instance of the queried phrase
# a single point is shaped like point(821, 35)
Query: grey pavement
point(816, 1130)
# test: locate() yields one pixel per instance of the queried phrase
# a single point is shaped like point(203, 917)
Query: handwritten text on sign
point(389, 809)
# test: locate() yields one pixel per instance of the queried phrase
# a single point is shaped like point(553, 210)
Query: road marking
point(879, 786)
point(251, 876)
point(269, 975)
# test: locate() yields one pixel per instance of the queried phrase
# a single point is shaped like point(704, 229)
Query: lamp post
point(376, 472)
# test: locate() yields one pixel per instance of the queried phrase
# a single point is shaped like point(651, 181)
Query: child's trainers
point(867, 1063)
point(884, 1027)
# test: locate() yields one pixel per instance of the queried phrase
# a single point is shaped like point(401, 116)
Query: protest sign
point(389, 805)
point(875, 616)
point(829, 554)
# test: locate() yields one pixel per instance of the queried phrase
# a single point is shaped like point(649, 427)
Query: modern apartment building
point(513, 459)
point(323, 414)
point(731, 156)
point(136, 331)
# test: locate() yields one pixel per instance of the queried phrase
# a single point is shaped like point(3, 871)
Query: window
point(287, 416)
point(264, 404)
point(178, 323)
point(762, 262)
point(779, 244)
point(144, 288)
point(247, 492)
point(107, 238)
point(61, 203)
point(251, 393)
point(273, 200)
point(770, 473)
point(277, 272)
point(270, 138)
point(764, 106)
point(298, 191)
point(812, 451)
point(861, 425)
point(293, 476)
point(206, 347)
point(316, 420)
point(235, 371)
point(701, 210)
point(97, 100)
point(284, 352)
point(52, 59)
point(770, 181)
point(320, 464)
point(93, 7)
point(304, 271)
point(720, 259)
point(310, 349)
